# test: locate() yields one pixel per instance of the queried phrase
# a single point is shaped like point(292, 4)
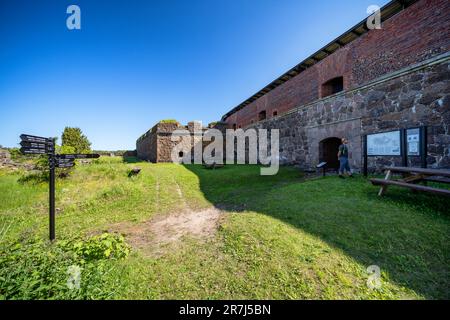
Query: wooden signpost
point(40, 145)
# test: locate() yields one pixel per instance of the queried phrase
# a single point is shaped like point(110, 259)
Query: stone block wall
point(5, 158)
point(156, 145)
point(152, 145)
point(146, 145)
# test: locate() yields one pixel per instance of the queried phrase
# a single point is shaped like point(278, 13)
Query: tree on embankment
point(74, 137)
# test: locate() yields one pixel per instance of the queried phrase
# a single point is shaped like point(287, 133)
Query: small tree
point(74, 137)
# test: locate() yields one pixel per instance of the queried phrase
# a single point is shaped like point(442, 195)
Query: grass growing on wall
point(168, 121)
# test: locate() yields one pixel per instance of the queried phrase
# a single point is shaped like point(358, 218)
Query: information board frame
point(380, 134)
point(413, 142)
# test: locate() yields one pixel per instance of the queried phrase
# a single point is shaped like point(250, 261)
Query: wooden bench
point(418, 187)
point(134, 172)
point(411, 178)
point(437, 179)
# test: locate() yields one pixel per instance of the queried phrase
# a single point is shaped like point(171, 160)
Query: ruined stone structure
point(8, 163)
point(5, 158)
point(364, 82)
point(156, 144)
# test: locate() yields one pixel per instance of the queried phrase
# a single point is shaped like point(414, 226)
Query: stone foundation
point(5, 158)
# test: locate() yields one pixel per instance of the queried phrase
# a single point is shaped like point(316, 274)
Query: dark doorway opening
point(328, 150)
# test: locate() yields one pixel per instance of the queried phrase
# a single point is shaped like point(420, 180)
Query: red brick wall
point(413, 35)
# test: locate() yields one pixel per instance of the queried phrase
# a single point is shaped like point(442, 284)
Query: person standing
point(343, 159)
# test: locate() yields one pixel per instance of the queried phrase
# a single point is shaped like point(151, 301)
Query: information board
point(384, 144)
point(413, 141)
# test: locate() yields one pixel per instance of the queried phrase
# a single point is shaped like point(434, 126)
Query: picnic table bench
point(412, 176)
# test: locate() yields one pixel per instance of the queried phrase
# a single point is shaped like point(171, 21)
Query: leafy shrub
point(34, 177)
point(16, 155)
point(39, 270)
point(102, 246)
point(65, 149)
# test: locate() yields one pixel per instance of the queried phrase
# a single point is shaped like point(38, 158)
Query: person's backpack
point(344, 150)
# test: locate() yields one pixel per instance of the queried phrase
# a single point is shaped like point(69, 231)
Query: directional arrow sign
point(59, 161)
point(65, 160)
point(78, 156)
point(36, 145)
point(30, 138)
point(33, 145)
point(33, 151)
point(65, 164)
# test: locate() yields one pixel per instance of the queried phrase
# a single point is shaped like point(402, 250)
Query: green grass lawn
point(280, 237)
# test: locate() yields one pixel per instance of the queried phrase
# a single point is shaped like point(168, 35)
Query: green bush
point(34, 177)
point(39, 270)
point(102, 246)
point(16, 155)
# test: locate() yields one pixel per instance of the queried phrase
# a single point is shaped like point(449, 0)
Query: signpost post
point(423, 146)
point(40, 145)
point(51, 161)
point(78, 156)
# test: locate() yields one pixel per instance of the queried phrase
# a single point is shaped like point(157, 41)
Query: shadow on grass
point(132, 160)
point(406, 234)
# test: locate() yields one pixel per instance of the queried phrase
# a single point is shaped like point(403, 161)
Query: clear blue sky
point(136, 62)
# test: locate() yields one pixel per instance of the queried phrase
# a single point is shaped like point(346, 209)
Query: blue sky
point(136, 62)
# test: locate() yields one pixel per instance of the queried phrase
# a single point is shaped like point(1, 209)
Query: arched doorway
point(328, 149)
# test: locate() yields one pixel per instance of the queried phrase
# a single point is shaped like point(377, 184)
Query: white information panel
point(384, 144)
point(413, 141)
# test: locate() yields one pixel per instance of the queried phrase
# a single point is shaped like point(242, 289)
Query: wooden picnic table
point(411, 178)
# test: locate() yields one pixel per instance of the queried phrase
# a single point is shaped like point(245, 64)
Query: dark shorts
point(344, 165)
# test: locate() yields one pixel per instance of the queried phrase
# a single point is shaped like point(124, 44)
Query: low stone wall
point(5, 158)
point(129, 153)
point(7, 163)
